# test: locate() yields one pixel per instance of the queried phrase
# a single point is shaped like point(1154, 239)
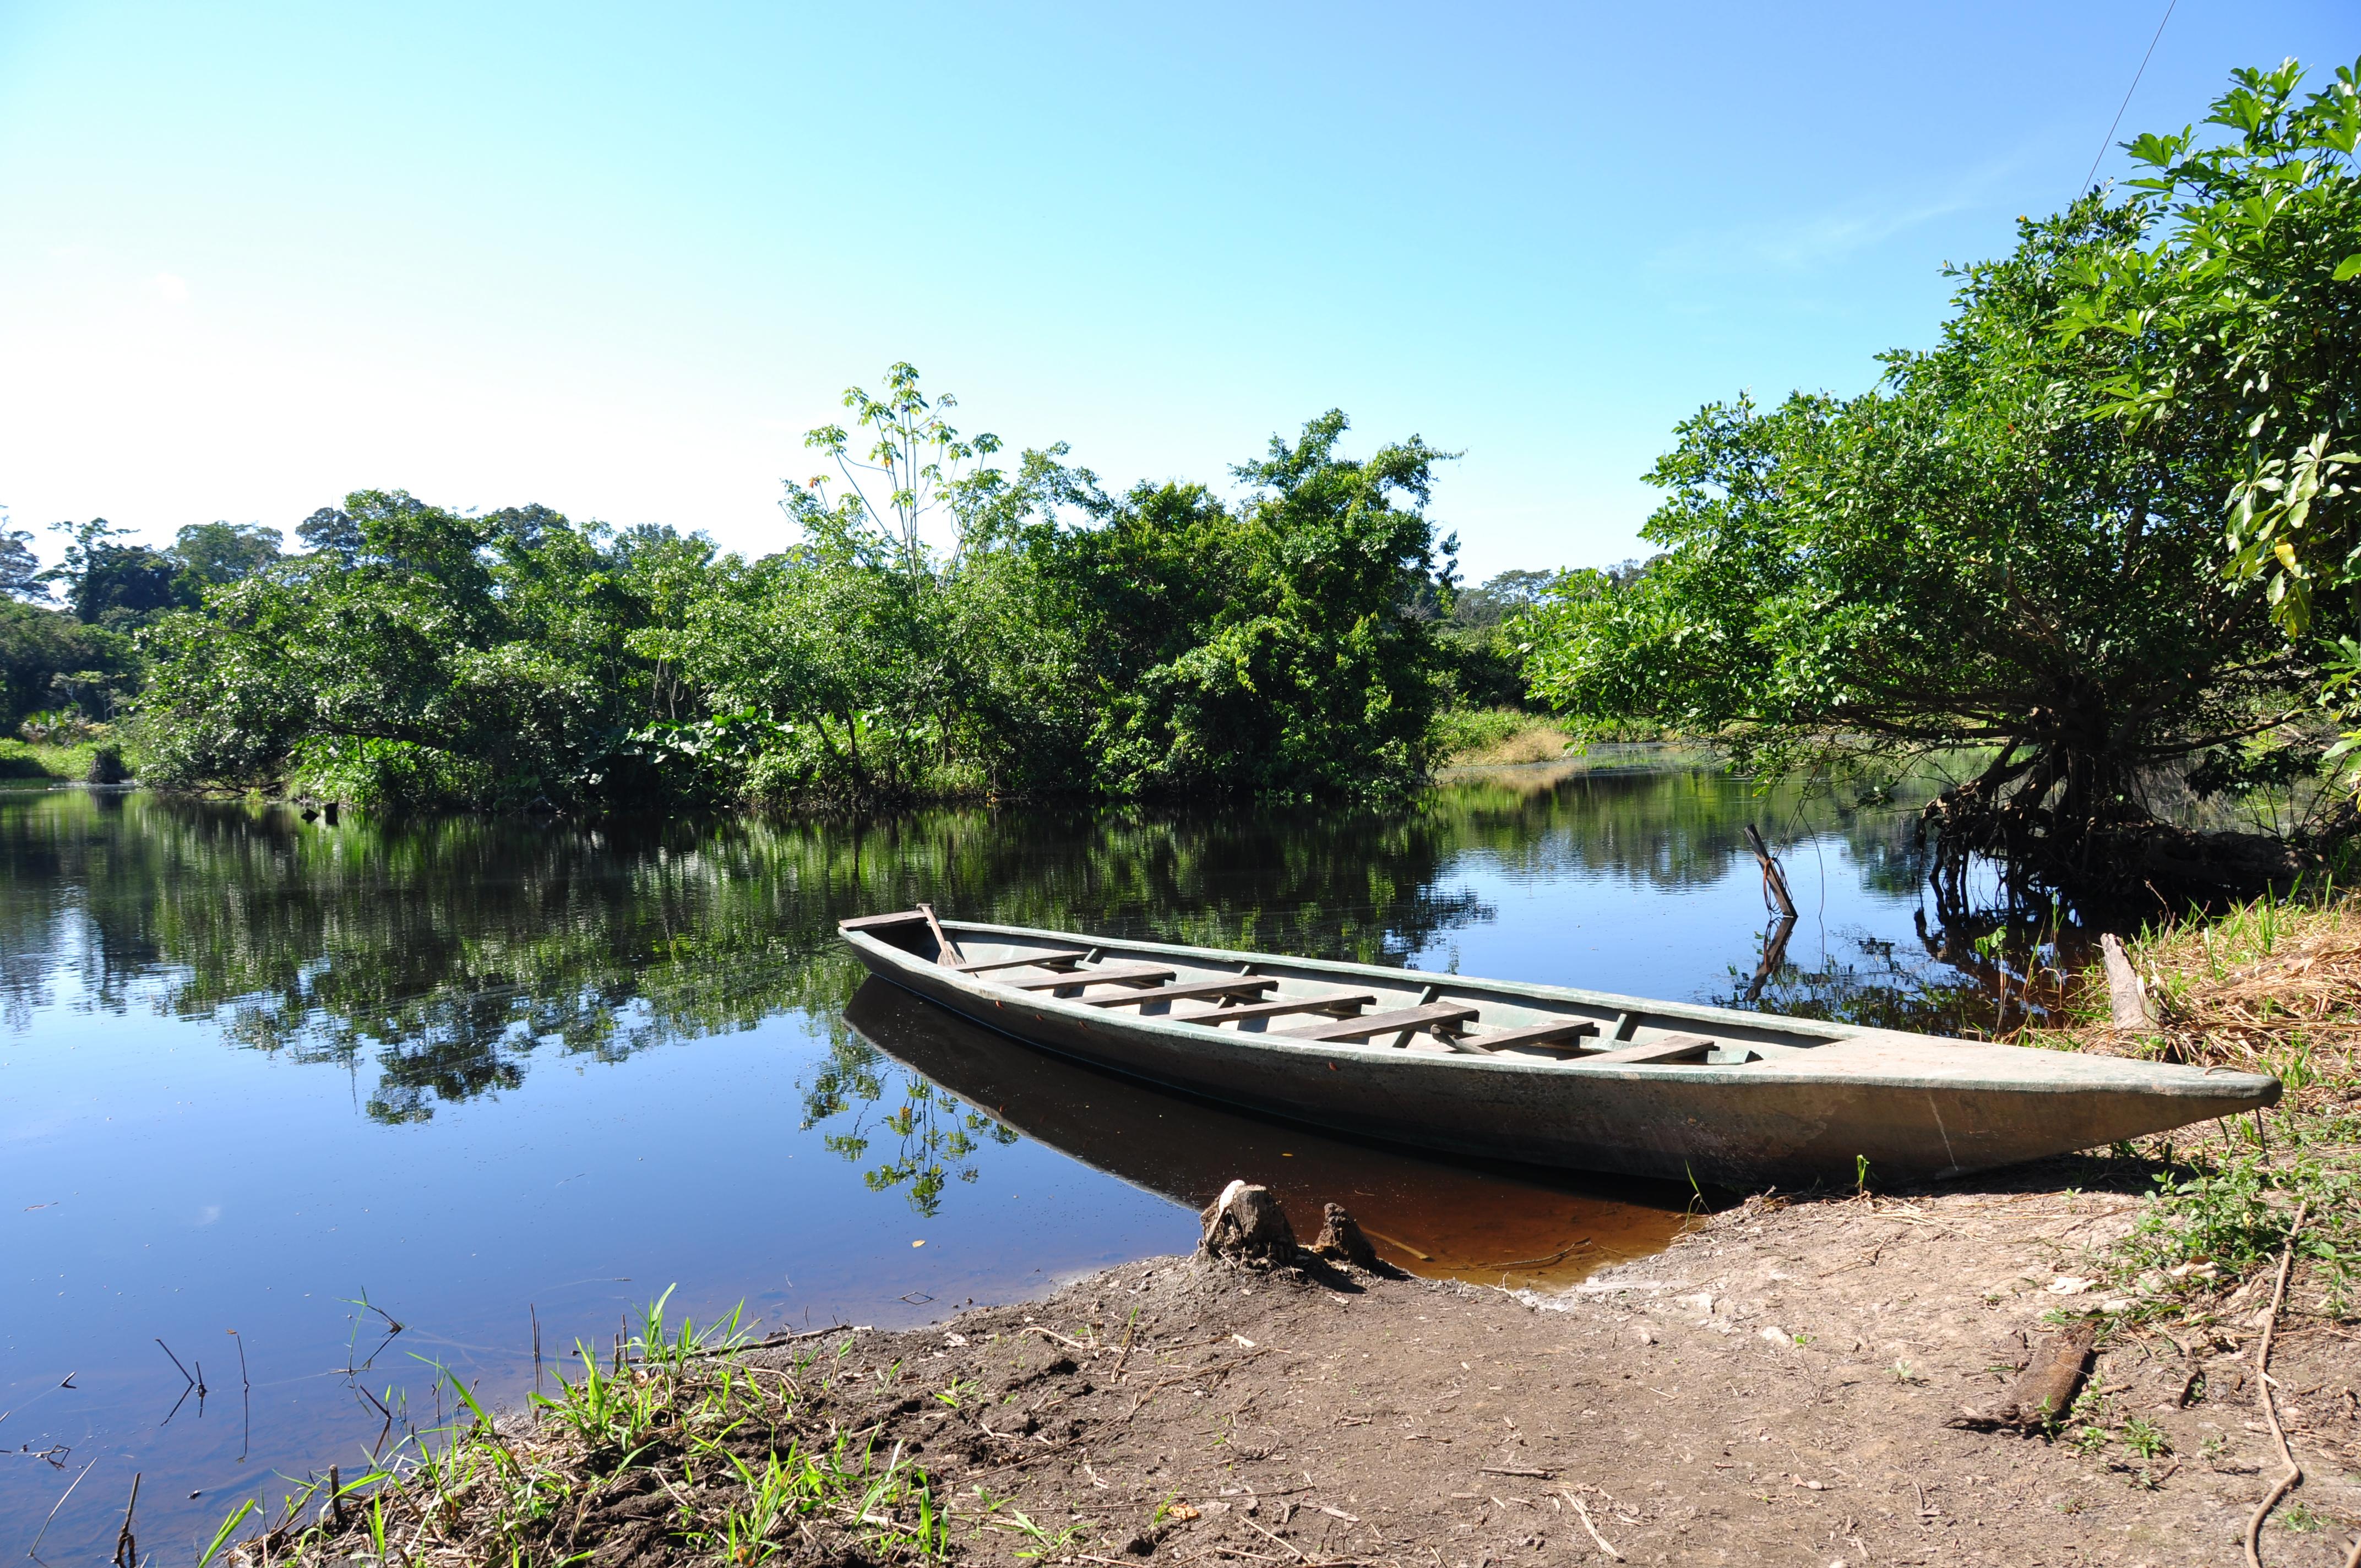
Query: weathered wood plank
point(1125, 973)
point(1279, 1008)
point(1563, 1032)
point(1229, 985)
point(1070, 956)
point(878, 922)
point(1408, 1018)
point(1671, 1047)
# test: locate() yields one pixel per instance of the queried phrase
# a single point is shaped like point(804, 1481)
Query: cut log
point(1341, 1240)
point(2044, 1390)
point(1246, 1224)
point(2126, 997)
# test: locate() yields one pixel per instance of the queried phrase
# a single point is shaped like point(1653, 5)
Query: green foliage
point(20, 568)
point(120, 586)
point(1270, 651)
point(2225, 305)
point(50, 659)
point(774, 1479)
point(212, 553)
point(2015, 541)
point(449, 660)
point(1055, 641)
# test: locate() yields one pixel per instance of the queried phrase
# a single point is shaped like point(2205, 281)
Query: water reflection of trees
point(934, 1136)
point(1670, 829)
point(442, 954)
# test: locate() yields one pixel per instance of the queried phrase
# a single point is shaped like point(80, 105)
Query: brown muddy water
point(270, 1088)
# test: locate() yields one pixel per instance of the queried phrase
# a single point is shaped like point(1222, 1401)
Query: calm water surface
point(268, 1086)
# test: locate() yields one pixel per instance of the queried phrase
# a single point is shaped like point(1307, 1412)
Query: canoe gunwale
point(2086, 1075)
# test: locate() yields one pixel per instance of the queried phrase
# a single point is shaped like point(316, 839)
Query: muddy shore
point(1772, 1389)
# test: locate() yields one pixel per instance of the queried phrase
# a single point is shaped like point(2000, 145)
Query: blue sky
point(617, 259)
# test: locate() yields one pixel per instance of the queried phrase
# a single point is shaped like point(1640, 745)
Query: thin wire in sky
point(2105, 141)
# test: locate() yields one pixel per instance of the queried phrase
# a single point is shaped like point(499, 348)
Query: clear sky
point(616, 260)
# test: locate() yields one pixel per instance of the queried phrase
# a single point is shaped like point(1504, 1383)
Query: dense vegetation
point(2016, 541)
point(937, 627)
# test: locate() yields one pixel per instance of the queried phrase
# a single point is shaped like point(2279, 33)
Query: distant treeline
point(936, 628)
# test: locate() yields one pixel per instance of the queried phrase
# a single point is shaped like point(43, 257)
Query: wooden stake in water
point(127, 1549)
point(1774, 881)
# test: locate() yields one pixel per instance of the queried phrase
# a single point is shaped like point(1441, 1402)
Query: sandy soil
point(1773, 1389)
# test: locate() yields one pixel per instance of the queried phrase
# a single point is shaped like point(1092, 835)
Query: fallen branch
point(1584, 1514)
point(2044, 1391)
point(2288, 1482)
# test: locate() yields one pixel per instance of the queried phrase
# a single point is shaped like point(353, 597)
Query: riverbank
point(1775, 1385)
point(32, 761)
point(1774, 1388)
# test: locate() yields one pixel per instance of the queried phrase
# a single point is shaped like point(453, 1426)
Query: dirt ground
point(1771, 1390)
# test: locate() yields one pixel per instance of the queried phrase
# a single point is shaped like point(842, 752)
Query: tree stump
point(1341, 1240)
point(1246, 1224)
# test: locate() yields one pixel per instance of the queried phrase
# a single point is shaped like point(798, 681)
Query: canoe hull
point(1970, 1107)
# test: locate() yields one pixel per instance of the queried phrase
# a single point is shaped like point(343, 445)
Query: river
point(299, 1117)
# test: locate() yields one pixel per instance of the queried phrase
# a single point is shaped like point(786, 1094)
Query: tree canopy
point(937, 626)
point(2016, 539)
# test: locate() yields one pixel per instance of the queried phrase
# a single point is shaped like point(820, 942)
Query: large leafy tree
point(2229, 302)
point(1271, 650)
point(212, 553)
point(1964, 556)
point(448, 660)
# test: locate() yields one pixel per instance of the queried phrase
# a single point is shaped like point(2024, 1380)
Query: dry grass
point(1541, 743)
point(2269, 987)
point(1495, 737)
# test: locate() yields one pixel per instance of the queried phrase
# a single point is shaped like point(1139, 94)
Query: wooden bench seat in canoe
point(1670, 1049)
point(1228, 985)
point(1408, 1019)
point(1127, 974)
point(1562, 1033)
point(1047, 961)
point(1339, 1002)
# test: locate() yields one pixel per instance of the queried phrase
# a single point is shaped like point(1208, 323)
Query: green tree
point(49, 659)
point(1962, 557)
point(20, 568)
point(2230, 300)
point(212, 553)
point(111, 584)
point(450, 660)
point(1273, 651)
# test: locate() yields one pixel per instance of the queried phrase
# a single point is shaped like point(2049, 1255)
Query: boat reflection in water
point(1446, 1220)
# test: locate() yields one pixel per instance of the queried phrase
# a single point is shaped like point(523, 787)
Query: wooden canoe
point(1543, 1074)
